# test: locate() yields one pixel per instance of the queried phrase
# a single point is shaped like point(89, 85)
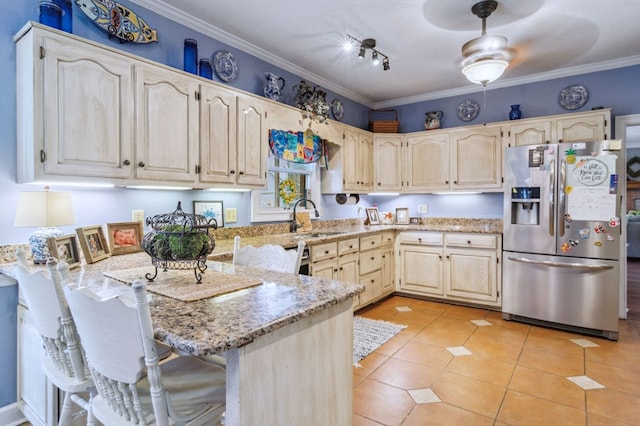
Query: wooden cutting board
point(304, 220)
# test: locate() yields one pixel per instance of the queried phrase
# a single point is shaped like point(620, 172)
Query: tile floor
point(505, 373)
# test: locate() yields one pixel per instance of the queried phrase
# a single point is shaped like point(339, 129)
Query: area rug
point(369, 335)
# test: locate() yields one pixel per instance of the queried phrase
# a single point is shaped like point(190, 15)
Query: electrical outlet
point(137, 216)
point(423, 208)
point(230, 215)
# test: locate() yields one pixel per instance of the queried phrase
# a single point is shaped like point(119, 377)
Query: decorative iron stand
point(179, 241)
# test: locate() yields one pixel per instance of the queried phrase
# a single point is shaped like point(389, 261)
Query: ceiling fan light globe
point(484, 71)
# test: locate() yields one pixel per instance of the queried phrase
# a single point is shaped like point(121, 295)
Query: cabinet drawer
point(370, 241)
point(471, 240)
point(370, 260)
point(388, 238)
point(372, 287)
point(422, 238)
point(324, 251)
point(348, 246)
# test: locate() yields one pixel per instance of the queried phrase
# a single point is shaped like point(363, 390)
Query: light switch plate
point(423, 208)
point(137, 216)
point(230, 215)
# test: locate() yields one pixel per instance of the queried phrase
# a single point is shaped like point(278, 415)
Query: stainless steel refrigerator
point(562, 235)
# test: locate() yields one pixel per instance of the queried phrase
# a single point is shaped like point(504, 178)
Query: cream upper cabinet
point(167, 125)
point(591, 126)
point(75, 109)
point(531, 132)
point(357, 160)
point(217, 135)
point(427, 164)
point(477, 158)
point(388, 165)
point(252, 142)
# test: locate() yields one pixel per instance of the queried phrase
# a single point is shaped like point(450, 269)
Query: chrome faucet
point(293, 224)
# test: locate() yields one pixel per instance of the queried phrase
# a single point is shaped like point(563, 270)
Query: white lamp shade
point(485, 70)
point(44, 209)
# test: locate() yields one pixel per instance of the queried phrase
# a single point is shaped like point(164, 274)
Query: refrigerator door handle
point(561, 264)
point(562, 197)
point(552, 199)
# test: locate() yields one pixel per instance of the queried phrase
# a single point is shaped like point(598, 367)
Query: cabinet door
point(349, 148)
point(472, 275)
point(477, 159)
point(365, 162)
point(252, 141)
point(348, 268)
point(530, 133)
point(421, 270)
point(584, 127)
point(167, 135)
point(217, 134)
point(388, 270)
point(426, 162)
point(87, 111)
point(37, 397)
point(387, 152)
point(327, 269)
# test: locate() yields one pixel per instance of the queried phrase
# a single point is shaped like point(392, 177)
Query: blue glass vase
point(206, 68)
point(515, 113)
point(50, 15)
point(191, 56)
point(67, 14)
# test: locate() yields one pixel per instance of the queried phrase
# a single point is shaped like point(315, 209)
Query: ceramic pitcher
point(432, 121)
point(273, 86)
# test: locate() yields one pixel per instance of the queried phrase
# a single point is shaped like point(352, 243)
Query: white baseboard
point(10, 415)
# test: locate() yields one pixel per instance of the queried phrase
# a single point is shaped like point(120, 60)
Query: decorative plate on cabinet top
point(573, 97)
point(118, 20)
point(468, 110)
point(337, 109)
point(225, 66)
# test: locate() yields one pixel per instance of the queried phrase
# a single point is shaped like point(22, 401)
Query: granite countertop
point(232, 320)
point(326, 231)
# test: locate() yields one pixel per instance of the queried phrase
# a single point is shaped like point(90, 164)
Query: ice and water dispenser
point(525, 205)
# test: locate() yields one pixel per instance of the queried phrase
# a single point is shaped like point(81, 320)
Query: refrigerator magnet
point(584, 233)
point(614, 221)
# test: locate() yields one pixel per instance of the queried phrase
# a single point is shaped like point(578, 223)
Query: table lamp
point(46, 210)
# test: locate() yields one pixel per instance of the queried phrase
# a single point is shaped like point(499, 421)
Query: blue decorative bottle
point(50, 15)
point(515, 113)
point(191, 56)
point(206, 68)
point(67, 14)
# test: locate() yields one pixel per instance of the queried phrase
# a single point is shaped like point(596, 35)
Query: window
point(286, 182)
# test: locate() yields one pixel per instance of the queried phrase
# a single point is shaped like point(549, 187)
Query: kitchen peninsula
point(280, 338)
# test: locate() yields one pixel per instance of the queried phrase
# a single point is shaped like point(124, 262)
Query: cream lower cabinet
point(387, 253)
point(451, 266)
point(37, 396)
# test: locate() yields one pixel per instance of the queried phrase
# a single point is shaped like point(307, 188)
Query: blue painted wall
point(617, 89)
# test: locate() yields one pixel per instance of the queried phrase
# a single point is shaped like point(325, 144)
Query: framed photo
point(124, 237)
point(65, 248)
point(373, 216)
point(402, 216)
point(210, 210)
point(414, 220)
point(94, 245)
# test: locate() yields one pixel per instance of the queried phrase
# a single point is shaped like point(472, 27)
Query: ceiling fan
point(485, 57)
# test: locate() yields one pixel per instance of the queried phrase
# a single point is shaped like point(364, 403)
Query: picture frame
point(65, 248)
point(414, 220)
point(94, 246)
point(210, 210)
point(373, 215)
point(402, 215)
point(125, 237)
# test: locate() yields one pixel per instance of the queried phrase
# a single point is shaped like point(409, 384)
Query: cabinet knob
point(373, 258)
point(233, 172)
point(141, 164)
point(468, 241)
point(419, 240)
point(126, 162)
point(373, 281)
point(455, 182)
point(446, 182)
point(351, 246)
point(241, 172)
point(326, 252)
point(335, 270)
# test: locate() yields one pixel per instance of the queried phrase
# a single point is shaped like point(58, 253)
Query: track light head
point(361, 53)
point(385, 64)
point(374, 58)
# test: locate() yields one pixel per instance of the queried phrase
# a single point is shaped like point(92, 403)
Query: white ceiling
point(422, 38)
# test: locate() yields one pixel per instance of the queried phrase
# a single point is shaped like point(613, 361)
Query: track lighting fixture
point(369, 44)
